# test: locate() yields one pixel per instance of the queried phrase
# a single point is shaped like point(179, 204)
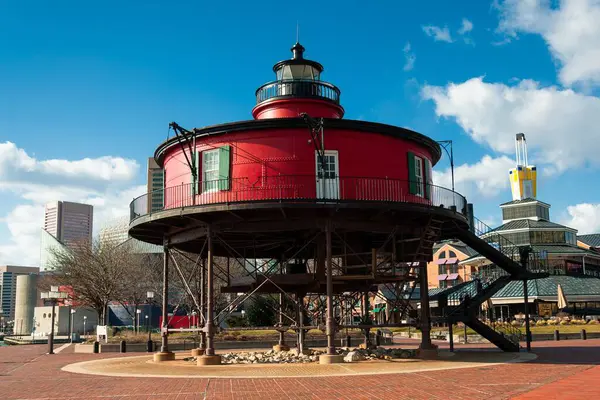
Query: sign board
point(102, 333)
point(545, 309)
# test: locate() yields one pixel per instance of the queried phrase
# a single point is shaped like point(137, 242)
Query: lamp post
point(150, 297)
point(84, 321)
point(72, 320)
point(53, 295)
point(138, 312)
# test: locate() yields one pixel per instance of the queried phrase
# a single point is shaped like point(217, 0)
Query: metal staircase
point(506, 255)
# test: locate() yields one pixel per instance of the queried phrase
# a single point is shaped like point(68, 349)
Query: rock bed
point(311, 356)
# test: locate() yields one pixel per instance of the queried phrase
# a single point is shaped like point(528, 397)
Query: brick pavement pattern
point(564, 370)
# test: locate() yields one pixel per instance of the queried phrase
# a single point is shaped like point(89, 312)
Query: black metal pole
point(330, 321)
point(524, 255)
point(450, 335)
point(527, 329)
point(452, 163)
point(210, 312)
point(51, 336)
point(164, 347)
point(149, 343)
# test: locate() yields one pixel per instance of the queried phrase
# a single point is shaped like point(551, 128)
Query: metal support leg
point(210, 312)
point(165, 354)
point(330, 320)
point(209, 357)
point(281, 333)
point(203, 304)
point(300, 299)
point(426, 348)
point(164, 345)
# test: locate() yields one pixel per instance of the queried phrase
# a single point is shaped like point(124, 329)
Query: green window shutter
point(427, 178)
point(224, 167)
point(412, 177)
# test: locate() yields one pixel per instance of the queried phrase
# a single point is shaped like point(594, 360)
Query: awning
point(377, 309)
point(442, 277)
point(440, 261)
point(451, 260)
point(452, 277)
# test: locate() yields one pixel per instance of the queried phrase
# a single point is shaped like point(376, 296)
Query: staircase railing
point(495, 239)
point(507, 330)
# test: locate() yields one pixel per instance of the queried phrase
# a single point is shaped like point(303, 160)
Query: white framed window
point(419, 178)
point(210, 170)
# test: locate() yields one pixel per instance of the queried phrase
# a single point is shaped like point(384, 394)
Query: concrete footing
point(330, 359)
point(281, 347)
point(161, 357)
point(197, 352)
point(427, 354)
point(208, 360)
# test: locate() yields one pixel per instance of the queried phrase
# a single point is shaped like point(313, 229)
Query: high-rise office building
point(115, 231)
point(65, 224)
point(156, 183)
point(69, 222)
point(8, 287)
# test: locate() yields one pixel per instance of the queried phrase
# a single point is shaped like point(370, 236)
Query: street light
point(138, 312)
point(53, 295)
point(150, 297)
point(72, 319)
point(84, 321)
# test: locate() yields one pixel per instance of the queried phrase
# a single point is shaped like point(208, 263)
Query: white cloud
point(104, 182)
point(466, 27)
point(486, 178)
point(492, 113)
point(584, 217)
point(571, 30)
point(409, 57)
point(438, 34)
point(17, 166)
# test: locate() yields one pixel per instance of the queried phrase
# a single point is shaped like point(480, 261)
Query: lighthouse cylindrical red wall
point(282, 162)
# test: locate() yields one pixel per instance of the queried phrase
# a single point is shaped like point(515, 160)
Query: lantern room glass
point(298, 72)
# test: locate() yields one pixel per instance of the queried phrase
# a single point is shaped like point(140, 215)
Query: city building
point(69, 222)
point(156, 184)
point(554, 249)
point(589, 242)
point(8, 287)
point(445, 270)
point(84, 320)
point(65, 224)
point(114, 231)
point(27, 297)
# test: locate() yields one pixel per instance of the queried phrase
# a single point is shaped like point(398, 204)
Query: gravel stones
point(310, 356)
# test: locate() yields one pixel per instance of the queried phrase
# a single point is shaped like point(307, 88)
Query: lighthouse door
point(328, 180)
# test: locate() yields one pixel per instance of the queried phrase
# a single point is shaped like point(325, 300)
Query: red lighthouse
point(312, 206)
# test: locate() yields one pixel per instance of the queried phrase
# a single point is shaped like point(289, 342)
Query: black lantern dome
point(298, 68)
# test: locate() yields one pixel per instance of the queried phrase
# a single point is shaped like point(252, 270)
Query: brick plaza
point(563, 370)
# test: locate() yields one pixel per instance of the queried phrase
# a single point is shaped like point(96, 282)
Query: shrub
point(515, 323)
point(564, 322)
point(540, 323)
point(594, 322)
point(228, 337)
point(551, 322)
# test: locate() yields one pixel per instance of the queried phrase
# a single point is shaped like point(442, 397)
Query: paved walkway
point(563, 370)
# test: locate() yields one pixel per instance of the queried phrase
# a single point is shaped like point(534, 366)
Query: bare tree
point(95, 272)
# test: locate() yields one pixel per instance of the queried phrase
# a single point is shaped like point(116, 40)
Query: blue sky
point(103, 81)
